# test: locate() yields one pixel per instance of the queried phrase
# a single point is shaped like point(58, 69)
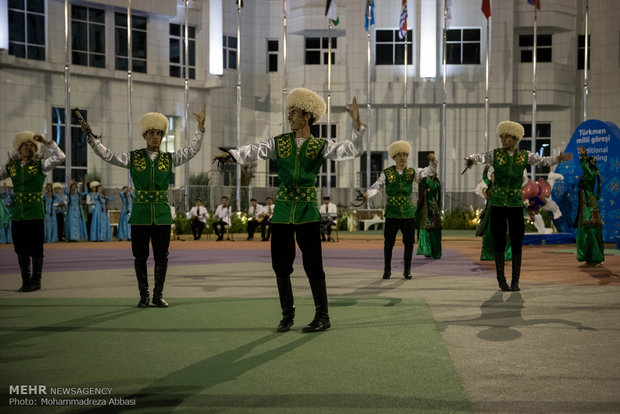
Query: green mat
point(222, 355)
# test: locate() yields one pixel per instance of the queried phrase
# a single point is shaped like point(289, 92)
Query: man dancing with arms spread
point(299, 158)
point(150, 217)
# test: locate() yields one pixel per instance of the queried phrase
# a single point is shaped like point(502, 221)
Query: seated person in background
point(254, 217)
point(329, 215)
point(198, 216)
point(266, 215)
point(223, 217)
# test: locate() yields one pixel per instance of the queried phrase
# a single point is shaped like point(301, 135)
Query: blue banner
point(602, 141)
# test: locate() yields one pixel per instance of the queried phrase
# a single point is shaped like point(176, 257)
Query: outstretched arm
point(54, 157)
point(350, 148)
point(375, 187)
point(185, 154)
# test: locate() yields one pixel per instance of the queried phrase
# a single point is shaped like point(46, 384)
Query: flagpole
point(406, 76)
point(486, 89)
point(534, 58)
point(68, 143)
point(585, 64)
point(238, 101)
point(186, 95)
point(129, 86)
point(443, 110)
point(329, 103)
point(284, 92)
point(368, 107)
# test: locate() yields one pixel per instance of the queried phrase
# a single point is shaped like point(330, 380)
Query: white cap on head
point(308, 101)
point(94, 184)
point(56, 185)
point(398, 147)
point(153, 120)
point(511, 128)
point(25, 136)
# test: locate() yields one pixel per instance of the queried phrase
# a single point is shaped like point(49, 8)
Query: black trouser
point(252, 224)
point(265, 230)
point(197, 228)
point(28, 237)
point(390, 229)
point(220, 228)
point(60, 221)
point(283, 249)
point(159, 236)
point(516, 226)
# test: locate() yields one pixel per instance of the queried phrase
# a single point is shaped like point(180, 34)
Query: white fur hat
point(94, 184)
point(153, 120)
point(308, 101)
point(511, 128)
point(398, 147)
point(56, 185)
point(25, 136)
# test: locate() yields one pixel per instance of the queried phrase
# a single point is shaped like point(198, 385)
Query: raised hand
point(354, 113)
point(200, 117)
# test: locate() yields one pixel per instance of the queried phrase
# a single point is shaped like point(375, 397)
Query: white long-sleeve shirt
point(200, 212)
point(532, 158)
point(419, 174)
point(52, 156)
point(266, 150)
point(223, 213)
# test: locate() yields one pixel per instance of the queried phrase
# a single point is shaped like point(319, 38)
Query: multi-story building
point(33, 58)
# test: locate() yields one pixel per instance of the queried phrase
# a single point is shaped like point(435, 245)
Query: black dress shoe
point(144, 302)
point(317, 325)
point(285, 324)
point(160, 302)
point(514, 285)
point(408, 275)
point(387, 274)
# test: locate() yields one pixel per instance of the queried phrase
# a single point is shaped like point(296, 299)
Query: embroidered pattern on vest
point(390, 175)
point(521, 157)
point(285, 149)
point(500, 156)
point(139, 162)
point(12, 168)
point(410, 173)
point(165, 161)
point(313, 148)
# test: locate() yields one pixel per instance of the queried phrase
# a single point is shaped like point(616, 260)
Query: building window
point(320, 131)
point(27, 29)
point(390, 49)
point(230, 52)
point(273, 174)
point(581, 50)
point(377, 160)
point(543, 146)
point(78, 144)
point(543, 48)
point(138, 42)
point(317, 49)
point(272, 55)
point(87, 36)
point(177, 50)
point(463, 46)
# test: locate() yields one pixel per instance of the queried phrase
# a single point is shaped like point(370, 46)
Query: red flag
point(534, 2)
point(486, 8)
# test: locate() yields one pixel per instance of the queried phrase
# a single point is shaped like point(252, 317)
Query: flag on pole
point(237, 2)
point(448, 16)
point(534, 2)
point(331, 11)
point(371, 4)
point(403, 20)
point(486, 8)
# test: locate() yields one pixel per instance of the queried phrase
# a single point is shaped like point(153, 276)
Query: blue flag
point(371, 4)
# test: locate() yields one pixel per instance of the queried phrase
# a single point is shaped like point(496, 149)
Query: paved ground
point(553, 347)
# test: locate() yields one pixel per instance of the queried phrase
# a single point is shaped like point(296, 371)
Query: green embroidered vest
point(151, 180)
point(508, 172)
point(398, 188)
point(297, 172)
point(27, 184)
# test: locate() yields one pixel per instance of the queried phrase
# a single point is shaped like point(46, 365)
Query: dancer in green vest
point(506, 202)
point(398, 181)
point(27, 169)
point(487, 252)
point(429, 243)
point(150, 171)
point(299, 158)
point(589, 223)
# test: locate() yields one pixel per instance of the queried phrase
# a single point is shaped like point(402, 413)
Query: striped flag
point(371, 4)
point(486, 8)
point(331, 11)
point(534, 2)
point(403, 20)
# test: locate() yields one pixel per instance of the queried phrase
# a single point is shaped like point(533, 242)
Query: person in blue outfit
point(90, 204)
point(75, 226)
point(51, 225)
point(60, 209)
point(124, 230)
point(100, 229)
point(6, 198)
